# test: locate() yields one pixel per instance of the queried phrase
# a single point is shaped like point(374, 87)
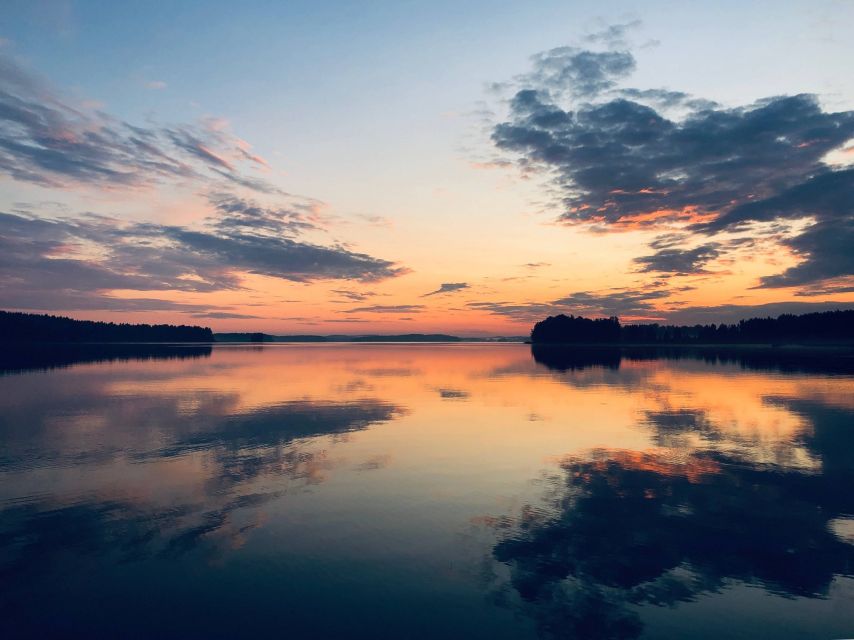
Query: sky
point(398, 167)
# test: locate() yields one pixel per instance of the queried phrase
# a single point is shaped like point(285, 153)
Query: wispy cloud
point(53, 141)
point(49, 263)
point(448, 287)
point(387, 308)
point(641, 306)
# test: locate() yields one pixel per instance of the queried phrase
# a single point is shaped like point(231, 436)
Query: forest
point(30, 328)
point(824, 327)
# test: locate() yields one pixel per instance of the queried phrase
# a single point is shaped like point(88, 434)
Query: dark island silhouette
point(829, 327)
point(22, 328)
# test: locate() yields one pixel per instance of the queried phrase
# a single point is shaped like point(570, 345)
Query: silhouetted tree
point(572, 329)
point(828, 327)
point(29, 327)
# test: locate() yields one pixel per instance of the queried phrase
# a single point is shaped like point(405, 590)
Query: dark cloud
point(828, 289)
point(827, 252)
point(50, 264)
point(448, 287)
point(238, 215)
point(353, 296)
point(680, 261)
point(49, 140)
point(640, 158)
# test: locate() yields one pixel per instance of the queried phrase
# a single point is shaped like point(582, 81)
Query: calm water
point(423, 491)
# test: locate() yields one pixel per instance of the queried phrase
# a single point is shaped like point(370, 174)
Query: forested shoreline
point(825, 327)
point(22, 328)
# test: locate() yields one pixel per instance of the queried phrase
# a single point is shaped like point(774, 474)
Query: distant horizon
point(463, 336)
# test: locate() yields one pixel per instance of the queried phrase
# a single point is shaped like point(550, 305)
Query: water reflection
point(830, 360)
point(427, 491)
point(759, 498)
point(17, 359)
point(649, 528)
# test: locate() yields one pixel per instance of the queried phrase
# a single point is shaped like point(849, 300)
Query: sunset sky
point(397, 167)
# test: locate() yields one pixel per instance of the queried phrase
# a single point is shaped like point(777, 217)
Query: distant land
point(21, 328)
point(829, 327)
point(31, 328)
point(404, 337)
point(826, 328)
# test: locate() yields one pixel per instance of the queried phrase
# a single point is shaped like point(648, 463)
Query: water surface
point(424, 491)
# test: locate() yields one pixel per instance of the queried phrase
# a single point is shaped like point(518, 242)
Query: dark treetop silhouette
point(29, 328)
point(827, 327)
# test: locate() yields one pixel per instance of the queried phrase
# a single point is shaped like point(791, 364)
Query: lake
point(425, 491)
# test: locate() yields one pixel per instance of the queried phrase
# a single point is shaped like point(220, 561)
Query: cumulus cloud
point(624, 157)
point(448, 287)
point(52, 141)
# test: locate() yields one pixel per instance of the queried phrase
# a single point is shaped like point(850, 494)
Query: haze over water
point(424, 491)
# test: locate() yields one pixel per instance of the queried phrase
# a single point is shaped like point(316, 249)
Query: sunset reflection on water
point(422, 490)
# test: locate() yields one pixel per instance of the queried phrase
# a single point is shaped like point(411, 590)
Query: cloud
point(827, 252)
point(613, 35)
point(448, 287)
point(614, 302)
point(626, 158)
point(242, 216)
point(224, 315)
point(578, 72)
point(157, 85)
point(352, 296)
point(387, 308)
point(639, 304)
point(732, 313)
point(680, 261)
point(831, 288)
point(517, 311)
point(49, 140)
point(74, 263)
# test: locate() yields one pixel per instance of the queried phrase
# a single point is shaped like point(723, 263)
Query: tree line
point(28, 327)
point(827, 326)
